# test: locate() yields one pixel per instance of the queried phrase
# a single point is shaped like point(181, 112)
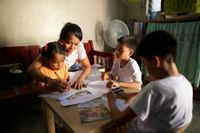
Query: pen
point(66, 83)
point(117, 90)
point(57, 75)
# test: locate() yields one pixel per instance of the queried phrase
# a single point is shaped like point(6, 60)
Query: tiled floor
point(24, 115)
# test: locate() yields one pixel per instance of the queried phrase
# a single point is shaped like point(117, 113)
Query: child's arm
point(127, 96)
point(131, 85)
point(117, 116)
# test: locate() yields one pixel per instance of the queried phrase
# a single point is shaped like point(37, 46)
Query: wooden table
point(70, 117)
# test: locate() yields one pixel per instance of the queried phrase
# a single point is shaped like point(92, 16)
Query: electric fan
point(115, 30)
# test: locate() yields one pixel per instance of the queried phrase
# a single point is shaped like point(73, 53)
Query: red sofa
point(20, 57)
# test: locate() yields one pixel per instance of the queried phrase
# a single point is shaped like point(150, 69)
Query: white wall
point(40, 21)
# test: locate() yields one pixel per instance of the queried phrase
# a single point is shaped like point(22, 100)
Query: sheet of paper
point(59, 96)
point(81, 96)
point(92, 91)
point(74, 76)
point(94, 75)
point(120, 103)
point(100, 86)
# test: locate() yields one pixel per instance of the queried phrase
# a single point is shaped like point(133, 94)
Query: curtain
point(187, 35)
point(173, 7)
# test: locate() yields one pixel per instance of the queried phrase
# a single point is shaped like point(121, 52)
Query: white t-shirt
point(129, 73)
point(163, 106)
point(79, 53)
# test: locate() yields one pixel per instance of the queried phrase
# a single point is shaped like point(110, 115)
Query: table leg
point(49, 118)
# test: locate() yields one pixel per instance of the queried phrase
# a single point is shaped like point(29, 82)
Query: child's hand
point(112, 84)
point(57, 84)
point(111, 95)
point(122, 95)
point(67, 86)
point(105, 76)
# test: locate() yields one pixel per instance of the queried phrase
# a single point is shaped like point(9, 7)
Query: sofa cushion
point(14, 62)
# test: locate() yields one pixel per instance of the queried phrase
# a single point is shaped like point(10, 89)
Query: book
point(94, 110)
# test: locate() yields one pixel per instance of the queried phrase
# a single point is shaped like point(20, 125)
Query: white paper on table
point(120, 103)
point(59, 96)
point(74, 76)
point(94, 75)
point(99, 86)
point(95, 86)
point(81, 96)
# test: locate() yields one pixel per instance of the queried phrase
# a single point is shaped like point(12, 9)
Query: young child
point(125, 71)
point(71, 39)
point(53, 67)
point(165, 104)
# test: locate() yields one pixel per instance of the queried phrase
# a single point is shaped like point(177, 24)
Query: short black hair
point(70, 29)
point(157, 43)
point(129, 41)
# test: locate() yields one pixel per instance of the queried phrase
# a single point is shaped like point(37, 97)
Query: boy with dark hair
point(165, 104)
point(125, 71)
